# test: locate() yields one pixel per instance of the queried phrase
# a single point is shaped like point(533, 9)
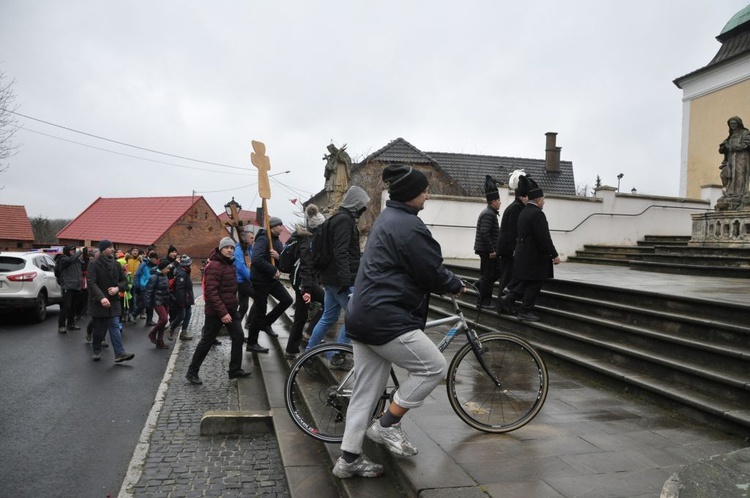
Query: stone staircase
point(691, 354)
point(670, 255)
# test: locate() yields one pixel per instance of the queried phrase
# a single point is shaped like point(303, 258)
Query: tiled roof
point(15, 225)
point(470, 170)
point(246, 216)
point(130, 220)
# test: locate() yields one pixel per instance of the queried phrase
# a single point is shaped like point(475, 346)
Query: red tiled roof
point(131, 220)
point(247, 216)
point(16, 224)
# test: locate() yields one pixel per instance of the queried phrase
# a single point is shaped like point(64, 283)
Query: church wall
point(708, 128)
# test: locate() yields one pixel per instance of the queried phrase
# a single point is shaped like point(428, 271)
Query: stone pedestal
point(721, 229)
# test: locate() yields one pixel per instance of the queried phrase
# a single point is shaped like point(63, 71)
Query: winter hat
point(404, 182)
point(185, 260)
point(530, 187)
point(105, 244)
point(314, 217)
point(171, 249)
point(164, 263)
point(226, 242)
point(66, 250)
point(490, 189)
point(273, 221)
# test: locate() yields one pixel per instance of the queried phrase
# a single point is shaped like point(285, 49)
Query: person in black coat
point(264, 274)
point(535, 255)
point(485, 241)
point(506, 241)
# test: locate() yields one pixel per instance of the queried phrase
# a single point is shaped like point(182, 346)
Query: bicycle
point(496, 382)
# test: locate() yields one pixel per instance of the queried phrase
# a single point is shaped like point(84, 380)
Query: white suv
point(27, 282)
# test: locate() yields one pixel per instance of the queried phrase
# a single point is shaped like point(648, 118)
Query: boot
point(160, 344)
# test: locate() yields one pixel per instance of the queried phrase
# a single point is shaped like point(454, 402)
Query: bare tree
point(8, 121)
point(45, 230)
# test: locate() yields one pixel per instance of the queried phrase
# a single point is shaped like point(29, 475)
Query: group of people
point(249, 269)
point(518, 252)
point(117, 287)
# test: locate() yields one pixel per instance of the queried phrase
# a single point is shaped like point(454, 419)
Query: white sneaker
point(392, 437)
point(362, 467)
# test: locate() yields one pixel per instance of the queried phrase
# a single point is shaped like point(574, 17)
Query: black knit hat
point(490, 189)
point(172, 249)
point(105, 244)
point(404, 182)
point(529, 187)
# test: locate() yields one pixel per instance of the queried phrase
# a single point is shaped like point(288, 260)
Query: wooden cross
point(261, 161)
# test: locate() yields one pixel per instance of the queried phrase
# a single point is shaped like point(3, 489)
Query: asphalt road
point(68, 425)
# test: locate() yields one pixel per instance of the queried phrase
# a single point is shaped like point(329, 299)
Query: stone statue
point(735, 168)
point(337, 173)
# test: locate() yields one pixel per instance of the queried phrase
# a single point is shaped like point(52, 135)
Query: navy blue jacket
point(402, 264)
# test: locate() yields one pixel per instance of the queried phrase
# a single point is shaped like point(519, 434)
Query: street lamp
point(232, 208)
point(633, 191)
point(619, 177)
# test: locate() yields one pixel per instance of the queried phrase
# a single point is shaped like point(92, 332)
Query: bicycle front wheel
point(318, 389)
point(509, 400)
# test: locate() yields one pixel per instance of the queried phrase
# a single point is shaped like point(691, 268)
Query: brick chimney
point(552, 155)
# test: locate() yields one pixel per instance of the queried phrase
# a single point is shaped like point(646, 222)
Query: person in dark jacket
point(402, 264)
point(106, 279)
point(220, 295)
point(535, 254)
point(157, 296)
point(337, 278)
point(70, 281)
point(506, 241)
point(485, 241)
point(265, 277)
point(305, 285)
point(182, 300)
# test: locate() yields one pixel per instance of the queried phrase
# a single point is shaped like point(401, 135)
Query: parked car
point(28, 283)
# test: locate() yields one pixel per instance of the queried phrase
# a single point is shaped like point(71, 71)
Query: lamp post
point(233, 208)
point(619, 177)
point(633, 191)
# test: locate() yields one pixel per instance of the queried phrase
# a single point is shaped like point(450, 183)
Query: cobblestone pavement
point(175, 461)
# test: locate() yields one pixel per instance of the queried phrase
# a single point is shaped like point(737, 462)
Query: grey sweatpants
point(415, 353)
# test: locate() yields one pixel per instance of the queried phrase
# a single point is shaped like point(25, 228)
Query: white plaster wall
point(608, 218)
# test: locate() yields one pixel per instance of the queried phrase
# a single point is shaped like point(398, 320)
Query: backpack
point(58, 271)
point(289, 255)
point(321, 246)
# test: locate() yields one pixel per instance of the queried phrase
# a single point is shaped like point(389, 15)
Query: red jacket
point(220, 285)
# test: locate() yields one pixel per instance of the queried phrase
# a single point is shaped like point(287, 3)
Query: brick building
point(15, 230)
point(188, 223)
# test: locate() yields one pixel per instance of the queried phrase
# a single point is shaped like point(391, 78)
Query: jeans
point(333, 303)
point(102, 325)
point(181, 316)
point(415, 353)
point(210, 331)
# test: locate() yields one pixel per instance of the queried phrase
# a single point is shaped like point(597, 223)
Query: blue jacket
point(402, 264)
point(240, 266)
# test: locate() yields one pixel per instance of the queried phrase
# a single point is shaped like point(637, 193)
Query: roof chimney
point(552, 156)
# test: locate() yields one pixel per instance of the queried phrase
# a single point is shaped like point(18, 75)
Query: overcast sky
point(201, 79)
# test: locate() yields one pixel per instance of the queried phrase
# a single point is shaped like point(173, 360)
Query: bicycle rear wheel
point(317, 391)
point(483, 404)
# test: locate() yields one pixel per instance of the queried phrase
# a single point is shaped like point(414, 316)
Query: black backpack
point(58, 270)
point(289, 255)
point(321, 246)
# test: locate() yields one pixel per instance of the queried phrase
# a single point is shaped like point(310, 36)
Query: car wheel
point(40, 310)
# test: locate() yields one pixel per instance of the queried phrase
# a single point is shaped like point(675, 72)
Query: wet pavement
point(588, 440)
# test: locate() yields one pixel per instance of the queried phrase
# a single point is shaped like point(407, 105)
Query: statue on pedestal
point(337, 173)
point(735, 168)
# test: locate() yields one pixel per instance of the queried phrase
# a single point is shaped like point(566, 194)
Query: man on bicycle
point(401, 265)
